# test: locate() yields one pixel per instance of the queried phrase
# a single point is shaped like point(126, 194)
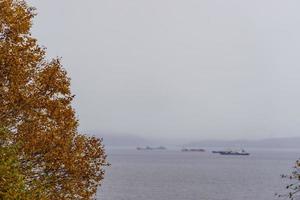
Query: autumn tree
point(294, 186)
point(12, 181)
point(35, 107)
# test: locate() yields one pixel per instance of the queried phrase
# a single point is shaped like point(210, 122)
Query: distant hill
point(122, 140)
point(264, 143)
point(129, 140)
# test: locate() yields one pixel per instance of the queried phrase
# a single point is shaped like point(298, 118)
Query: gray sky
point(198, 69)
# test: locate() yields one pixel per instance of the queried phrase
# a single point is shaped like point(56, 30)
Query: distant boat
point(235, 153)
point(151, 148)
point(192, 150)
point(144, 148)
point(218, 151)
point(161, 148)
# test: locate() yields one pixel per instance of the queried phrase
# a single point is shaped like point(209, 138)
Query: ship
point(192, 150)
point(151, 148)
point(218, 151)
point(235, 153)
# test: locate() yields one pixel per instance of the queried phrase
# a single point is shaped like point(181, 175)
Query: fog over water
point(196, 69)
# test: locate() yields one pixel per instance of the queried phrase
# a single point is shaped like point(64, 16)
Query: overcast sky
point(198, 69)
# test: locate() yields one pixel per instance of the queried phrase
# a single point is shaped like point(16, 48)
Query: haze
point(193, 69)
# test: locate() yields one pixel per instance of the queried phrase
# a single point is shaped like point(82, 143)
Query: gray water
point(175, 175)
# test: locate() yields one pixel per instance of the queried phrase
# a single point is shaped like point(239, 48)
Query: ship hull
point(234, 154)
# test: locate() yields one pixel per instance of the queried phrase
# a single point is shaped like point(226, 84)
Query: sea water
point(176, 175)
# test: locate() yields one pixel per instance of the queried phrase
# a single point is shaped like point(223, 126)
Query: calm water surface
point(175, 175)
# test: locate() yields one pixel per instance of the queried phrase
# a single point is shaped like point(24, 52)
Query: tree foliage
point(12, 182)
point(35, 106)
point(294, 186)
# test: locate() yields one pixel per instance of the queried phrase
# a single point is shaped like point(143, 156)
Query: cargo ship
point(192, 150)
point(151, 148)
point(234, 153)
